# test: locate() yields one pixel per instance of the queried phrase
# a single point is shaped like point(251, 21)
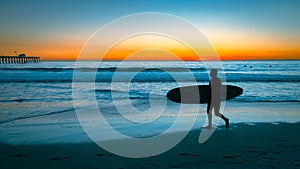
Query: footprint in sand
point(102, 155)
point(187, 154)
point(59, 158)
point(20, 156)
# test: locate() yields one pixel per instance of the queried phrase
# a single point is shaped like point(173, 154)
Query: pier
point(22, 58)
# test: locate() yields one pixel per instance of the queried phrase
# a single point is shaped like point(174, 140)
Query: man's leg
point(209, 115)
point(218, 114)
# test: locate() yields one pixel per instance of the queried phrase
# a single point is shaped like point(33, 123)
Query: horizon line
point(295, 59)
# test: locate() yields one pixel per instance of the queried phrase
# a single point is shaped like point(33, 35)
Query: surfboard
point(201, 94)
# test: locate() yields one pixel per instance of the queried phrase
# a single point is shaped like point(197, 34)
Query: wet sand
point(263, 145)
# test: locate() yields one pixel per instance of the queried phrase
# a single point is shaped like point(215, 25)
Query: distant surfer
point(215, 99)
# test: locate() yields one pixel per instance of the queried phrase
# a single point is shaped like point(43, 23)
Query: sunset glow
point(150, 47)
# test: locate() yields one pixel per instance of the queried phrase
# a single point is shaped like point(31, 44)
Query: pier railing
point(17, 59)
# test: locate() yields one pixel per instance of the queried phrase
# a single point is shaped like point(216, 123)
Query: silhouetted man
point(215, 99)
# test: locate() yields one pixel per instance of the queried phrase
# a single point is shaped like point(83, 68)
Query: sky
point(239, 30)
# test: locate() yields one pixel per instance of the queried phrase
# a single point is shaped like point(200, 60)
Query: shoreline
point(49, 129)
point(263, 145)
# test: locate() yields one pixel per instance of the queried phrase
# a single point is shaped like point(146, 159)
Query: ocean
point(37, 99)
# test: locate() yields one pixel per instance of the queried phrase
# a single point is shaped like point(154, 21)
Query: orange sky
point(226, 52)
point(130, 47)
point(146, 48)
point(233, 44)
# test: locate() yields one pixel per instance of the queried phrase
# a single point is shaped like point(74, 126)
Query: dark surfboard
point(201, 93)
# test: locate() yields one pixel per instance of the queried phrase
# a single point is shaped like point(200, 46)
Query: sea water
point(37, 99)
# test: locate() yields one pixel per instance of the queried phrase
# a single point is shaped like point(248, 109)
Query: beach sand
point(263, 145)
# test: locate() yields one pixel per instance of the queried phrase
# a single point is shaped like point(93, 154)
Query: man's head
point(213, 72)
